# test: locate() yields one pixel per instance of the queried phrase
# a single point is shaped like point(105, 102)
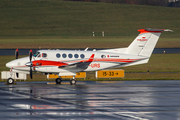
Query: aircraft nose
point(9, 65)
point(17, 62)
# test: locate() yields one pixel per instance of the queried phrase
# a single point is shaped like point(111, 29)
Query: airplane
point(70, 62)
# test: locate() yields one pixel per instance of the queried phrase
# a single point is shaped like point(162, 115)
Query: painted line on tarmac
point(83, 83)
point(66, 83)
point(109, 81)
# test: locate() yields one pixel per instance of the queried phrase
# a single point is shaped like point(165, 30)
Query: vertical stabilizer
point(144, 43)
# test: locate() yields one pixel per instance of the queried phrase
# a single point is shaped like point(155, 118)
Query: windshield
point(37, 54)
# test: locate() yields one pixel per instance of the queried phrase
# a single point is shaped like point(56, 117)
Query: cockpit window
point(44, 55)
point(37, 54)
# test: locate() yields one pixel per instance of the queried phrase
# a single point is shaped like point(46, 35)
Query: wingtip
point(168, 30)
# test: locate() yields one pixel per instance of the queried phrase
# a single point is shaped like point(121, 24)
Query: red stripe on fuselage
point(115, 60)
point(56, 63)
point(48, 63)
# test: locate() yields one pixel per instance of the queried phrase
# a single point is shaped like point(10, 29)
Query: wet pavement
point(136, 100)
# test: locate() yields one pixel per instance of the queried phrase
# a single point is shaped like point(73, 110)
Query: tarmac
point(121, 100)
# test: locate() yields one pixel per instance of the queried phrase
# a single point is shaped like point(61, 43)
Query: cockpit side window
point(44, 55)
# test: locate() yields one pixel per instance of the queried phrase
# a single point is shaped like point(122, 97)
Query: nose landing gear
point(10, 81)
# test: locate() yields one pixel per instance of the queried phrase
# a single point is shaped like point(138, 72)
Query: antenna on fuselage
point(86, 49)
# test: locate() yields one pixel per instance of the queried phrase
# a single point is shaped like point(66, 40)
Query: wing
point(78, 65)
point(72, 65)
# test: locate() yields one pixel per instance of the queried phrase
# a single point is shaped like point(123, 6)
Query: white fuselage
point(102, 60)
point(69, 62)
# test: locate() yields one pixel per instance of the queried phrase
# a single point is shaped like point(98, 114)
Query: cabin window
point(76, 55)
point(58, 55)
point(70, 55)
point(82, 55)
point(44, 55)
point(64, 55)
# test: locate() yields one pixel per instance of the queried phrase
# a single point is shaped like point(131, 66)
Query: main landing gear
point(58, 80)
point(72, 81)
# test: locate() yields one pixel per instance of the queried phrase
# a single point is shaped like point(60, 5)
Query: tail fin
point(144, 43)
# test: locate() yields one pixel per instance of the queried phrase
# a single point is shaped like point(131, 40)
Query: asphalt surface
point(136, 100)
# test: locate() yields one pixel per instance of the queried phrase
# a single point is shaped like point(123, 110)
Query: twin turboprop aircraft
point(69, 62)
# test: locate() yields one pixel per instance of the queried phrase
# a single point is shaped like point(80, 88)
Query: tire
point(58, 80)
point(10, 81)
point(73, 82)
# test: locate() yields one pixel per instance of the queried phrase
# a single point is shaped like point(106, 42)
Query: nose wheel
point(10, 81)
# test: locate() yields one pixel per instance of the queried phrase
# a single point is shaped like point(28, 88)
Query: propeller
point(31, 72)
point(30, 58)
point(30, 64)
point(16, 56)
point(16, 53)
point(30, 55)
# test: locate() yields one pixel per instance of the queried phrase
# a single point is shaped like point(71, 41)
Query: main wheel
point(10, 81)
point(73, 81)
point(58, 80)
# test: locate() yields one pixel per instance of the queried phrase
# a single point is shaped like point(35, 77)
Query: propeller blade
point(30, 55)
point(29, 64)
point(16, 53)
point(31, 72)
